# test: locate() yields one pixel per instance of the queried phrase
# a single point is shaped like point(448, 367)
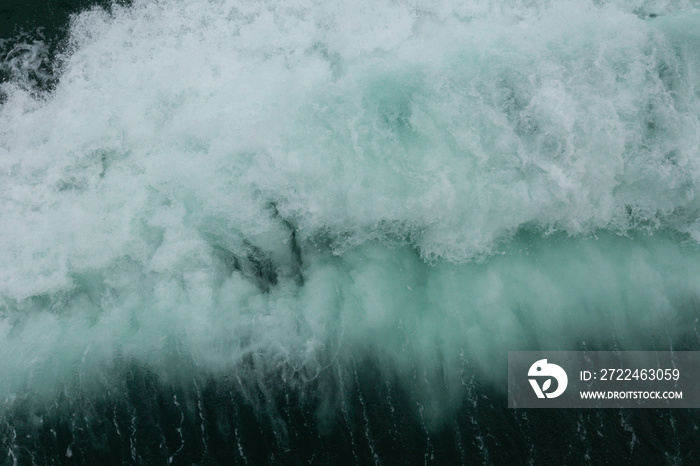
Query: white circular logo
point(546, 372)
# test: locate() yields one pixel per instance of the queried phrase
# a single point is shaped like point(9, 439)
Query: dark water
point(39, 21)
point(49, 16)
point(215, 421)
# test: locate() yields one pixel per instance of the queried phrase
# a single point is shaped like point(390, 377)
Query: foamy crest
point(295, 181)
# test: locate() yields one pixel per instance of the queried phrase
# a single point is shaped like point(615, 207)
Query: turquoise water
point(274, 192)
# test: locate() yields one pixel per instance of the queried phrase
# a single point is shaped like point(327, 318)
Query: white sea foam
point(150, 199)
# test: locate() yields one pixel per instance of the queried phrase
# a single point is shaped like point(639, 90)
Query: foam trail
point(277, 194)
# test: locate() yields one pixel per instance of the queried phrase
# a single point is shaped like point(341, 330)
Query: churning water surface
point(300, 231)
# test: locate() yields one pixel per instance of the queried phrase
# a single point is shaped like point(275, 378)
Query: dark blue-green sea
point(309, 232)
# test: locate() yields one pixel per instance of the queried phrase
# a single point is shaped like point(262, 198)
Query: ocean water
point(267, 232)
